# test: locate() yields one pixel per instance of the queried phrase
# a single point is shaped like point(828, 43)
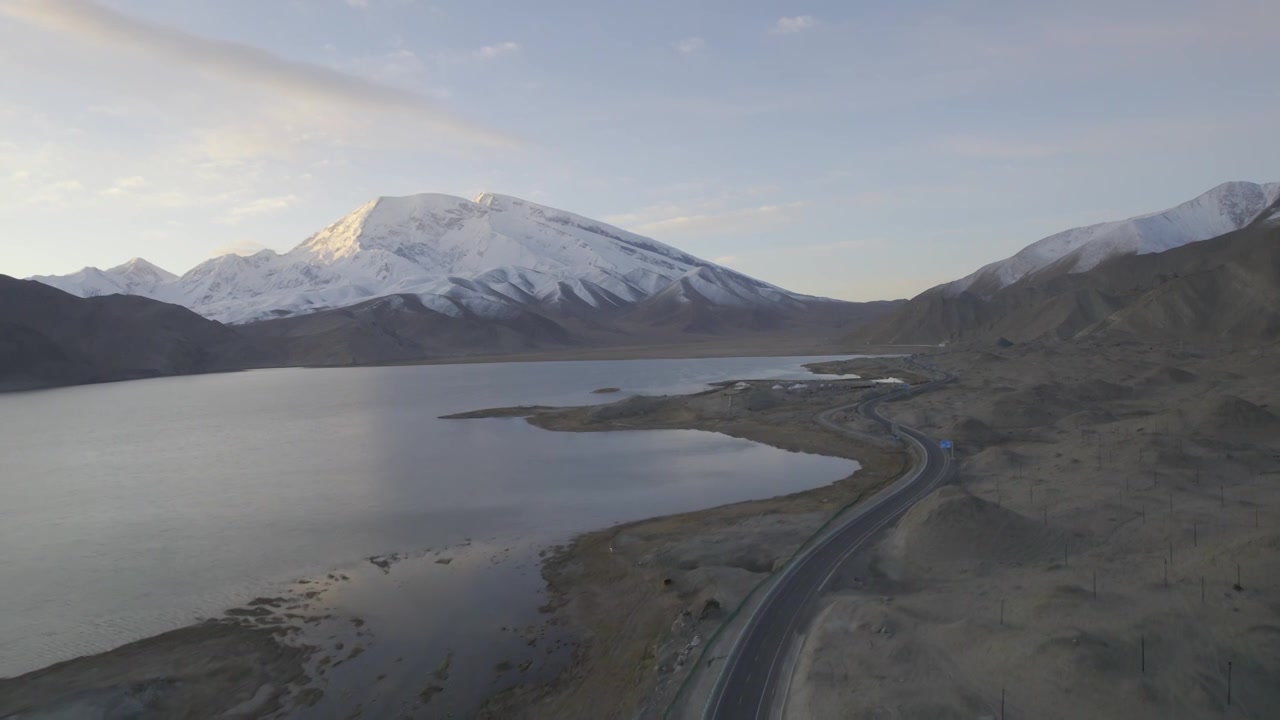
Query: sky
point(859, 150)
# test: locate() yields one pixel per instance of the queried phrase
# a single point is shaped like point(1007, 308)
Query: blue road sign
point(945, 444)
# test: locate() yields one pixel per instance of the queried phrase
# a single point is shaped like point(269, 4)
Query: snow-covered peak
point(439, 236)
point(1227, 207)
point(1237, 201)
point(489, 199)
point(722, 286)
point(135, 277)
point(137, 267)
point(485, 256)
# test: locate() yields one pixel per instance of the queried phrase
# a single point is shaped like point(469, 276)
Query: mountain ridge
point(1223, 288)
point(1227, 207)
point(434, 276)
point(49, 337)
point(490, 256)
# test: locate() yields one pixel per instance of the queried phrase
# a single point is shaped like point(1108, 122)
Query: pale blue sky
point(859, 150)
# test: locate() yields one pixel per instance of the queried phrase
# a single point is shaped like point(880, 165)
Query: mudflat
point(646, 596)
point(230, 667)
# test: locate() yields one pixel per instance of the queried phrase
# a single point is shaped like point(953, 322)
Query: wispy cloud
point(125, 185)
point(977, 146)
point(234, 62)
point(239, 247)
point(1111, 138)
point(726, 260)
point(396, 67)
point(691, 45)
point(839, 246)
point(673, 219)
point(489, 52)
point(140, 192)
point(261, 206)
point(790, 25)
point(56, 194)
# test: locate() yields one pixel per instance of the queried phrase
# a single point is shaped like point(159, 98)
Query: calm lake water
point(132, 508)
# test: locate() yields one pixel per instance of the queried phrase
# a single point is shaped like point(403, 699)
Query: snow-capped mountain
point(494, 257)
point(1228, 207)
point(136, 277)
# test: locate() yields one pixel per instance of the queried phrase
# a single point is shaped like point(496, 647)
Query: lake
point(132, 508)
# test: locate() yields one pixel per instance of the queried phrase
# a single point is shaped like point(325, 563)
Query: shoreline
point(786, 346)
point(1083, 468)
point(245, 626)
point(648, 594)
point(747, 347)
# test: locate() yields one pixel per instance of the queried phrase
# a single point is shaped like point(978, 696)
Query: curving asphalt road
point(756, 670)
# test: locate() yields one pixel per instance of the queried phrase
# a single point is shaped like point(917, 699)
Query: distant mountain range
point(1152, 278)
point(435, 276)
point(431, 276)
point(49, 337)
point(136, 277)
point(1228, 207)
point(496, 257)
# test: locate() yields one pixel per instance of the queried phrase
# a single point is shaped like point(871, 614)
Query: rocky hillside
point(1228, 207)
point(1227, 288)
point(49, 337)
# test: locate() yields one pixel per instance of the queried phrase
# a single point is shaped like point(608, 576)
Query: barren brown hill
point(1227, 288)
point(49, 337)
point(400, 328)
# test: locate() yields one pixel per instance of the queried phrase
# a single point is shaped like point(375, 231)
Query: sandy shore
point(236, 667)
point(645, 596)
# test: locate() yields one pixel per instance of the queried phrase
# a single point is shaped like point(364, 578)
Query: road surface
point(757, 671)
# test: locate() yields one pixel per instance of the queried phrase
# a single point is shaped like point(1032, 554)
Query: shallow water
point(132, 508)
